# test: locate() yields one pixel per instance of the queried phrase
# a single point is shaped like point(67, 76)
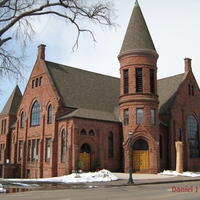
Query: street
point(184, 190)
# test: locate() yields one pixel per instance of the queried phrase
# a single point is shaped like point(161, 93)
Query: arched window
point(192, 88)
point(140, 145)
point(49, 114)
point(36, 82)
point(83, 132)
point(33, 83)
point(189, 90)
point(22, 120)
point(40, 81)
point(193, 136)
point(110, 145)
point(85, 148)
point(63, 146)
point(91, 132)
point(35, 114)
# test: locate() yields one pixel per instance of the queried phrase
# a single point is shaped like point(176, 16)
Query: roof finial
point(136, 3)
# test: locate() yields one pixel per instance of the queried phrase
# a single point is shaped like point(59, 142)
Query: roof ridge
point(84, 70)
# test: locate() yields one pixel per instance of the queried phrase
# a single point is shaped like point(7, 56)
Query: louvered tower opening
point(139, 87)
point(152, 85)
point(126, 84)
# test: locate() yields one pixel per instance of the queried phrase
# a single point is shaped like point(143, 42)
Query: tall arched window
point(49, 114)
point(63, 146)
point(35, 114)
point(193, 136)
point(110, 145)
point(22, 120)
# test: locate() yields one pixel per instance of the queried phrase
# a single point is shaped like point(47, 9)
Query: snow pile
point(1, 189)
point(174, 173)
point(100, 176)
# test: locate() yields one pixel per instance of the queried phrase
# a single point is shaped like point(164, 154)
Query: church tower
point(138, 96)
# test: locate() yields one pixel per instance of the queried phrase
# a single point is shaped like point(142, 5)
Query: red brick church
point(66, 114)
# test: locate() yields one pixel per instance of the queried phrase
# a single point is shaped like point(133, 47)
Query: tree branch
point(16, 25)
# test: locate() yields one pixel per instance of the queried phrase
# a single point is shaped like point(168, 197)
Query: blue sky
point(173, 25)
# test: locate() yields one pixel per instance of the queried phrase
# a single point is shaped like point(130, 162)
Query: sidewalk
point(142, 179)
point(138, 179)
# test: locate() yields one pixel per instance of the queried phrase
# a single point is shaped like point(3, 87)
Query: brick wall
point(145, 100)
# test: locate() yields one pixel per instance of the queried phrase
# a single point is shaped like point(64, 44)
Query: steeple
point(138, 101)
point(137, 36)
point(13, 102)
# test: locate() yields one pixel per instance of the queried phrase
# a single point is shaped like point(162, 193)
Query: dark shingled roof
point(94, 96)
point(92, 114)
point(167, 88)
point(13, 102)
point(97, 96)
point(137, 36)
point(83, 89)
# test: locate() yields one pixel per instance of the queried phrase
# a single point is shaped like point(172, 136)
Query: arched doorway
point(140, 156)
point(84, 156)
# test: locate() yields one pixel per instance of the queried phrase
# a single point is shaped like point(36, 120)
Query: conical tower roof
point(137, 36)
point(13, 102)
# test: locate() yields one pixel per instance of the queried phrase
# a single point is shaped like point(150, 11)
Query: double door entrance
point(140, 156)
point(140, 160)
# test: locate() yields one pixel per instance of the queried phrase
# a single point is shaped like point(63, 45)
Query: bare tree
point(16, 25)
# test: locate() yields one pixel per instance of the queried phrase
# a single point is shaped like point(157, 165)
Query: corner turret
point(138, 100)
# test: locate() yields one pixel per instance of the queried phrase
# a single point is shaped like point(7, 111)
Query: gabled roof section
point(92, 114)
point(167, 89)
point(137, 35)
point(13, 102)
point(83, 89)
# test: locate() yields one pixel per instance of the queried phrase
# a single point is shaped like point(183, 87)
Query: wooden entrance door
point(140, 160)
point(85, 158)
point(140, 156)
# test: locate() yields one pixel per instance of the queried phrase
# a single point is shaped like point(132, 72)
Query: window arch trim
point(22, 119)
point(35, 114)
point(50, 114)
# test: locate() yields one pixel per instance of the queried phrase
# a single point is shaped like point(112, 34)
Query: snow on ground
point(174, 173)
point(1, 189)
point(100, 176)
